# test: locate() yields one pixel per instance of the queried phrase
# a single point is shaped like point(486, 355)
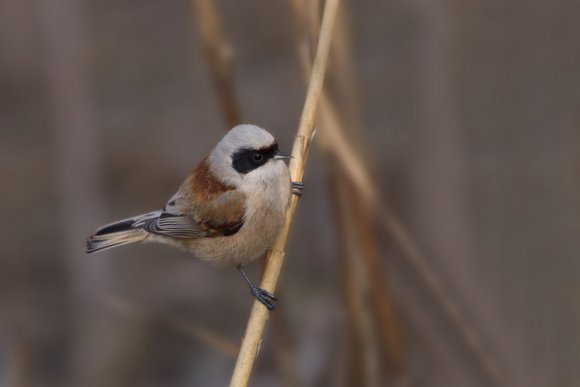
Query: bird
point(228, 211)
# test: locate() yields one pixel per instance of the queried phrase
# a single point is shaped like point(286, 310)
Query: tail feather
point(120, 233)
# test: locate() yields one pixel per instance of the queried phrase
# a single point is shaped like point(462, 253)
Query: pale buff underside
point(264, 217)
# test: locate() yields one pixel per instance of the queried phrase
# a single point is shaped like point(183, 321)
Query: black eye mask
point(245, 160)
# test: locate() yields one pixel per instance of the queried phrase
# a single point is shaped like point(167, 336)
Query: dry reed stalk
point(355, 170)
point(259, 313)
point(381, 305)
point(383, 309)
point(219, 56)
point(382, 302)
point(357, 173)
point(363, 350)
point(384, 312)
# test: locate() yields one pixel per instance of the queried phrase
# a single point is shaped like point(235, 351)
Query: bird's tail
point(120, 233)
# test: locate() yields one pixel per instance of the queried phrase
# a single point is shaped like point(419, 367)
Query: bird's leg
point(264, 296)
point(298, 188)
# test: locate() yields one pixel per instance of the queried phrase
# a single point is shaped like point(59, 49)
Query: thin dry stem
point(355, 368)
point(356, 172)
point(219, 55)
point(259, 313)
point(384, 310)
point(385, 314)
point(362, 221)
point(363, 351)
point(333, 140)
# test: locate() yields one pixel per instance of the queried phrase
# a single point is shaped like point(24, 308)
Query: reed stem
point(259, 313)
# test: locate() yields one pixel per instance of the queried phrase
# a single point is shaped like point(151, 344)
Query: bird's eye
point(257, 157)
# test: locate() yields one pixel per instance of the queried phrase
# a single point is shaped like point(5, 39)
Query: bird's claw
point(264, 296)
point(298, 188)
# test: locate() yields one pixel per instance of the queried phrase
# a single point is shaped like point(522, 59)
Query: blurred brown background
point(471, 128)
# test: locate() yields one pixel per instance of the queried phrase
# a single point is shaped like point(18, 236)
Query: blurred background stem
point(219, 56)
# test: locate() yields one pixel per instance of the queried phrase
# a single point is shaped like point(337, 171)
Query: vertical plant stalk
point(335, 147)
point(259, 313)
point(381, 300)
point(219, 56)
point(356, 172)
point(383, 308)
point(363, 360)
point(353, 168)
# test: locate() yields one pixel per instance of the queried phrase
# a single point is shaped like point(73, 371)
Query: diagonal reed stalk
point(353, 169)
point(353, 166)
point(381, 305)
point(259, 313)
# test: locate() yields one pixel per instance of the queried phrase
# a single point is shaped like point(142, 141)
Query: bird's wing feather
point(186, 216)
point(175, 225)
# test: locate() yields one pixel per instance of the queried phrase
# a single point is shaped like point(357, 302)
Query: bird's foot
point(298, 188)
point(264, 296)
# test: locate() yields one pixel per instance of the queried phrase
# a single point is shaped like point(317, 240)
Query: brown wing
point(203, 207)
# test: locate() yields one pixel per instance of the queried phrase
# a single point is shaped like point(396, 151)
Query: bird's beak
point(281, 156)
